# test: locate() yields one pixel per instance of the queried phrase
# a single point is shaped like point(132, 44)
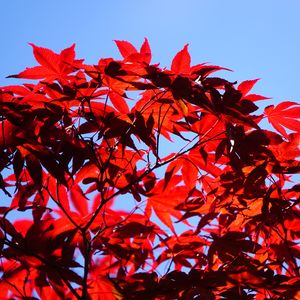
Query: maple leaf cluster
point(134, 181)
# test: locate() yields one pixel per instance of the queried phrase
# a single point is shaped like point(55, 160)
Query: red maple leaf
point(285, 114)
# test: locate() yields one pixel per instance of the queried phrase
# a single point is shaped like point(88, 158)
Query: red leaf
point(204, 70)
point(87, 171)
point(79, 200)
point(126, 48)
point(119, 103)
point(17, 90)
point(7, 133)
point(145, 49)
point(164, 200)
point(182, 61)
point(254, 97)
point(189, 173)
point(37, 72)
point(285, 114)
point(172, 169)
point(247, 85)
point(58, 193)
point(46, 57)
point(52, 65)
point(68, 55)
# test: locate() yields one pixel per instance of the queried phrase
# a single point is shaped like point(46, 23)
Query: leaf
point(52, 65)
point(201, 164)
point(146, 51)
point(204, 70)
point(181, 88)
point(254, 97)
point(8, 228)
point(119, 103)
point(149, 181)
point(125, 48)
point(206, 219)
point(255, 179)
point(79, 200)
point(58, 193)
point(7, 133)
point(220, 150)
point(34, 169)
point(182, 106)
point(189, 173)
point(132, 229)
point(68, 55)
point(181, 62)
point(246, 86)
point(164, 200)
point(18, 164)
point(87, 171)
point(37, 72)
point(54, 168)
point(264, 137)
point(55, 281)
point(172, 169)
point(285, 114)
point(15, 275)
point(46, 58)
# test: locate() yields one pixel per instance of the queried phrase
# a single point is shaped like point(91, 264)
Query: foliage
point(138, 182)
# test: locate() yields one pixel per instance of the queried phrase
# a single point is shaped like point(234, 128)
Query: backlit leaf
point(181, 62)
point(285, 114)
point(246, 86)
point(125, 48)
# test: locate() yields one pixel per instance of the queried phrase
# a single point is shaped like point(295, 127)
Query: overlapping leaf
point(285, 115)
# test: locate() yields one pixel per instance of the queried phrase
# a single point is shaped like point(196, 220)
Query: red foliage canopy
point(137, 182)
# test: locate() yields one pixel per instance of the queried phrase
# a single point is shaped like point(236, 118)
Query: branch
point(87, 250)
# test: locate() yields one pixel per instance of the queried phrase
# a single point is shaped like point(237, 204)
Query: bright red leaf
point(246, 86)
point(181, 62)
point(284, 115)
point(125, 48)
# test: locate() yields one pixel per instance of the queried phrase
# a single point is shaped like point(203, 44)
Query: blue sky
point(257, 39)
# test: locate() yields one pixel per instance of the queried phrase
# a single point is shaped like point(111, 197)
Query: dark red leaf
point(35, 170)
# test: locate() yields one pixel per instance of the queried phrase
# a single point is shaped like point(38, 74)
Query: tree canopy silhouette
point(126, 180)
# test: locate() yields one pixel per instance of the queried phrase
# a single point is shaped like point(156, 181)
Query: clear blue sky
point(257, 38)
